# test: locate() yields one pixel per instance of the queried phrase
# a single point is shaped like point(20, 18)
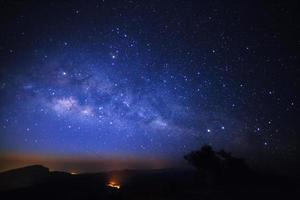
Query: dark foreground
point(36, 182)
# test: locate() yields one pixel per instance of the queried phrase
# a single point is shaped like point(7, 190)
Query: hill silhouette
point(37, 182)
point(23, 177)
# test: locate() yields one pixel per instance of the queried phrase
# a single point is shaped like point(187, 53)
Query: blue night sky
point(148, 79)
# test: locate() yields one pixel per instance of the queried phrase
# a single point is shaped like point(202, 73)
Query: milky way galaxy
point(147, 79)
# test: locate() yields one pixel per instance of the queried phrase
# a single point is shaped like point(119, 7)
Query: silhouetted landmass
point(39, 183)
point(23, 177)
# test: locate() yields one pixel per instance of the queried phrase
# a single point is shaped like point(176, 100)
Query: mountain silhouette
point(23, 177)
point(37, 182)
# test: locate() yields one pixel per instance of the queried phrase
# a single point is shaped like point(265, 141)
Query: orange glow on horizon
point(80, 163)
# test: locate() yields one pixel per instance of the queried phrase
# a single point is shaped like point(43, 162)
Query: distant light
point(208, 130)
point(73, 173)
point(114, 185)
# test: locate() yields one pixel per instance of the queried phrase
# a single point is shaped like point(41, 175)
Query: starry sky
point(148, 80)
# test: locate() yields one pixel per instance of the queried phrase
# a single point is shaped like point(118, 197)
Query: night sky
point(148, 80)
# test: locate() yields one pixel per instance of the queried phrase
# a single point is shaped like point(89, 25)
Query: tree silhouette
point(207, 162)
point(205, 159)
point(217, 165)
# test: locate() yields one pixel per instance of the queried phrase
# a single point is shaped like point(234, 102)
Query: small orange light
point(113, 185)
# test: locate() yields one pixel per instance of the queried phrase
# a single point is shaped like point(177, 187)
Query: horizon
point(85, 164)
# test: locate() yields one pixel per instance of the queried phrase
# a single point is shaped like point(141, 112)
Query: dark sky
point(149, 80)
